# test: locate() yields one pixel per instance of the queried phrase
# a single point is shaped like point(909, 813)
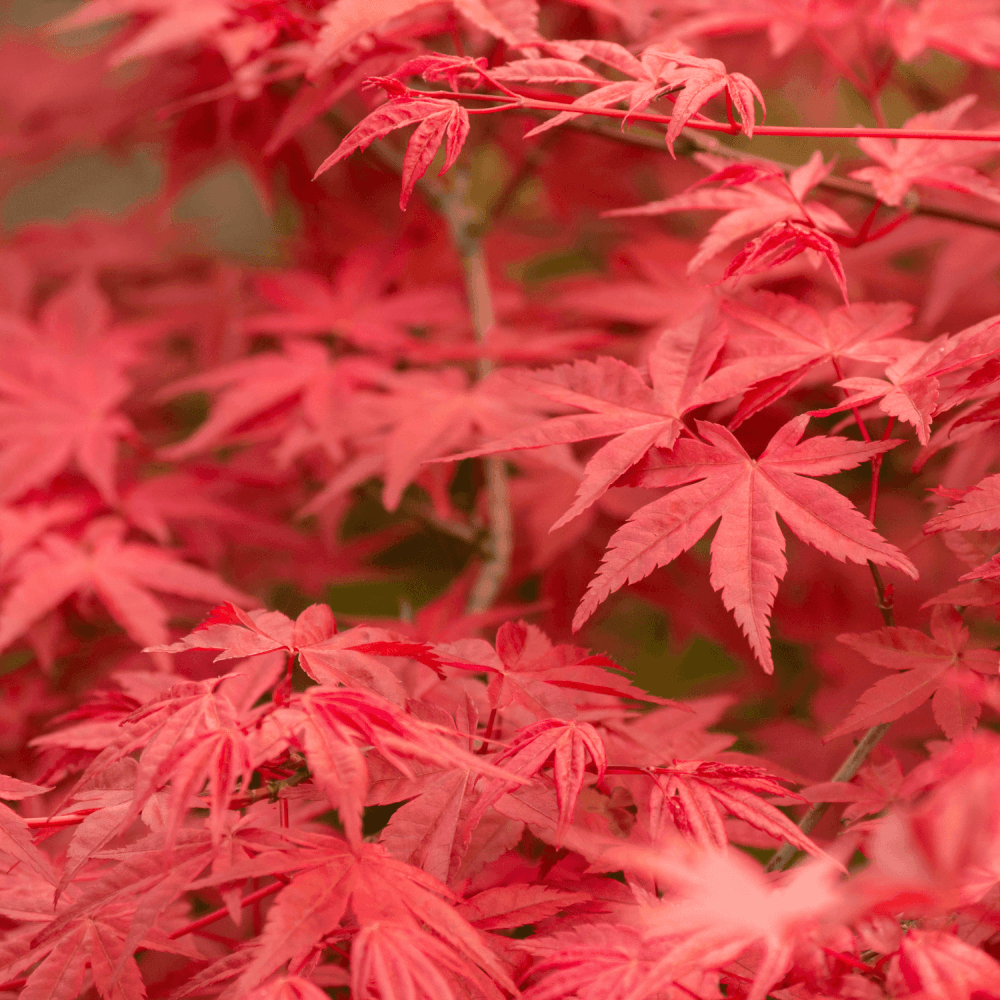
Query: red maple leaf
point(933, 960)
point(527, 669)
point(783, 241)
point(620, 404)
point(929, 162)
point(938, 666)
point(966, 29)
point(659, 70)
point(120, 573)
point(437, 121)
point(337, 726)
point(566, 745)
point(354, 305)
point(978, 510)
point(256, 387)
point(805, 339)
point(746, 494)
point(101, 922)
point(693, 796)
point(878, 784)
point(335, 881)
point(325, 654)
point(915, 387)
point(60, 395)
point(754, 198)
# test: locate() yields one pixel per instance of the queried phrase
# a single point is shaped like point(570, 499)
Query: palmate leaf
point(938, 666)
point(339, 726)
point(567, 745)
point(780, 326)
point(327, 655)
point(753, 199)
point(333, 881)
point(916, 386)
point(437, 121)
point(746, 494)
point(931, 162)
point(697, 794)
point(659, 70)
point(783, 241)
point(396, 962)
point(618, 403)
point(122, 574)
point(978, 510)
point(527, 670)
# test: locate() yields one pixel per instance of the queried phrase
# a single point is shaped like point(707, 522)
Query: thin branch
point(466, 231)
point(464, 227)
point(845, 772)
point(211, 918)
point(870, 740)
point(698, 142)
point(702, 124)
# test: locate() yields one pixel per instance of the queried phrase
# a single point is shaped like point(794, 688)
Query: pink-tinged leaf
point(60, 396)
point(509, 906)
point(450, 125)
point(16, 840)
point(912, 389)
point(349, 657)
point(930, 664)
point(611, 54)
point(13, 789)
point(696, 794)
point(397, 962)
point(291, 988)
point(333, 880)
point(977, 594)
point(937, 963)
point(425, 831)
point(437, 121)
point(121, 573)
point(546, 71)
point(747, 495)
point(929, 162)
point(743, 92)
point(567, 745)
point(636, 415)
point(606, 96)
point(528, 670)
point(978, 510)
point(61, 975)
point(702, 79)
point(783, 328)
point(779, 244)
point(763, 201)
point(339, 723)
point(513, 21)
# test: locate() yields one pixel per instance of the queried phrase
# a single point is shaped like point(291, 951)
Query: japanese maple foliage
point(491, 586)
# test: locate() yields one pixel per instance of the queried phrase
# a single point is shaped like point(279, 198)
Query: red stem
point(70, 819)
point(705, 125)
point(857, 416)
point(876, 468)
point(489, 732)
point(210, 918)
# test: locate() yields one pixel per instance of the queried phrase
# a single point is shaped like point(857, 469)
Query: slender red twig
point(210, 918)
point(707, 125)
point(69, 819)
point(876, 468)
